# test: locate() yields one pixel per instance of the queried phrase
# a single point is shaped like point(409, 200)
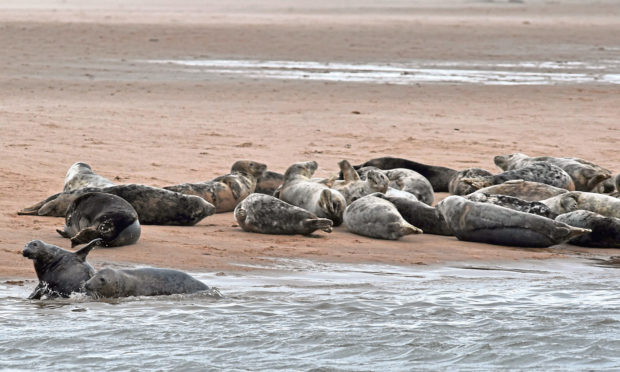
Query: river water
point(310, 316)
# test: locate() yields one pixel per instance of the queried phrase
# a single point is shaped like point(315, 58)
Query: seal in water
point(488, 223)
point(589, 201)
point(605, 230)
point(260, 213)
point(511, 202)
point(60, 272)
point(538, 172)
point(142, 282)
point(439, 177)
point(423, 216)
point(225, 192)
point(268, 182)
point(457, 187)
point(80, 175)
point(585, 175)
point(353, 188)
point(299, 190)
point(98, 215)
point(377, 218)
point(154, 206)
point(525, 190)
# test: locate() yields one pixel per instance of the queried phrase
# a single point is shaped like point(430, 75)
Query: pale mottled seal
point(589, 201)
point(98, 215)
point(458, 187)
point(225, 192)
point(299, 190)
point(377, 218)
point(537, 172)
point(396, 189)
point(353, 187)
point(268, 182)
point(266, 214)
point(585, 175)
point(512, 202)
point(411, 182)
point(439, 177)
point(419, 214)
point(60, 272)
point(81, 175)
point(142, 282)
point(526, 190)
point(605, 230)
point(154, 206)
point(488, 223)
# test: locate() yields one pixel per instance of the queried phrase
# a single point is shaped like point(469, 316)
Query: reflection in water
point(303, 315)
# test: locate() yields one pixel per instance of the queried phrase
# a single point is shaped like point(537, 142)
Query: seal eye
point(102, 280)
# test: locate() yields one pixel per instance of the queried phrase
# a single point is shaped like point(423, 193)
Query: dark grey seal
point(537, 172)
point(268, 182)
point(98, 215)
point(154, 206)
point(419, 214)
point(458, 187)
point(266, 214)
point(377, 218)
point(511, 202)
point(605, 230)
point(142, 282)
point(60, 272)
point(488, 223)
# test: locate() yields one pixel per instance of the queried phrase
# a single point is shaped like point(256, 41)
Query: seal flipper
point(33, 210)
point(38, 292)
point(596, 179)
point(348, 173)
point(63, 233)
point(84, 236)
point(324, 224)
point(84, 251)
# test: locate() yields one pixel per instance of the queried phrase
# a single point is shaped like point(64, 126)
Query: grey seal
point(405, 180)
point(98, 215)
point(526, 190)
point(60, 272)
point(225, 192)
point(353, 187)
point(537, 172)
point(589, 201)
point(154, 206)
point(616, 194)
point(419, 214)
point(266, 214)
point(142, 282)
point(488, 223)
point(318, 198)
point(268, 182)
point(605, 230)
point(377, 218)
point(458, 187)
point(585, 175)
point(514, 203)
point(81, 175)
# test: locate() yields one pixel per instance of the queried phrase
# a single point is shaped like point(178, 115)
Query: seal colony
point(532, 203)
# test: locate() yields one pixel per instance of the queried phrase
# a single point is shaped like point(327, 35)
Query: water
point(415, 72)
point(305, 315)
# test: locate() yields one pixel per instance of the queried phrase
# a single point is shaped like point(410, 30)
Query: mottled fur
point(514, 203)
point(605, 230)
point(589, 201)
point(458, 187)
point(538, 172)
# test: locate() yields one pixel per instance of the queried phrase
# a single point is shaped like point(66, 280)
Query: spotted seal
point(225, 192)
point(146, 281)
point(526, 190)
point(571, 201)
point(60, 272)
point(605, 230)
point(585, 175)
point(98, 215)
point(458, 187)
point(353, 187)
point(266, 214)
point(299, 190)
point(489, 223)
point(81, 175)
point(514, 203)
point(537, 172)
point(377, 218)
point(419, 214)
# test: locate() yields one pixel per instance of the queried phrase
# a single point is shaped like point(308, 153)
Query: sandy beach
point(77, 85)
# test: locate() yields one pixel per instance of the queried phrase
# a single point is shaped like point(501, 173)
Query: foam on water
point(304, 315)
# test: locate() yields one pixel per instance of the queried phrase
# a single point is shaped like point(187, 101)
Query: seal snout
point(29, 248)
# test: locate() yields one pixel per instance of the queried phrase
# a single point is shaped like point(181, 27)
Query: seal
point(605, 230)
point(513, 203)
point(525, 190)
point(141, 282)
point(404, 184)
point(488, 223)
point(269, 182)
point(375, 217)
point(458, 187)
point(154, 206)
point(585, 175)
point(427, 218)
point(439, 177)
point(616, 194)
point(260, 213)
point(98, 215)
point(60, 272)
point(537, 172)
point(571, 201)
point(81, 175)
point(353, 187)
point(225, 192)
point(299, 190)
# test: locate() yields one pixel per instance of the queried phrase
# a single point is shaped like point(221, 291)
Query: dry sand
point(71, 90)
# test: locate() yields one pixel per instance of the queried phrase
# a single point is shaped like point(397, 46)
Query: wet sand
point(74, 88)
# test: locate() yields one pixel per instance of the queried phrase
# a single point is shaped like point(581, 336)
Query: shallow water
point(306, 315)
point(461, 72)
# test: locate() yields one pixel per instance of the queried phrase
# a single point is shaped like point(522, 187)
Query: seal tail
point(324, 224)
point(33, 210)
point(407, 229)
point(63, 233)
point(577, 231)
